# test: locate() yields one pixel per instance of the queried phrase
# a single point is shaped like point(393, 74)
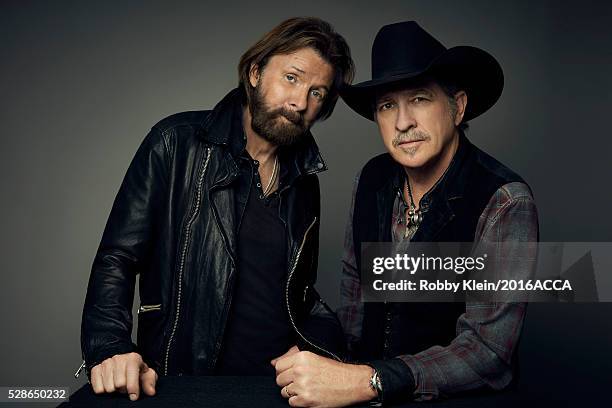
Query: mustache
point(294, 117)
point(411, 136)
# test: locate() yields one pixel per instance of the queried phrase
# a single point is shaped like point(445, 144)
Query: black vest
point(451, 212)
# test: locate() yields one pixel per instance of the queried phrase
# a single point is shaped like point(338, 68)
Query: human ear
point(461, 101)
point(254, 75)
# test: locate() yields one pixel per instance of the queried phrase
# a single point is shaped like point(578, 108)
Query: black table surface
point(238, 392)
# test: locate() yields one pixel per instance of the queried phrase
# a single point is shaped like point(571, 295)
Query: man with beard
point(218, 214)
point(433, 185)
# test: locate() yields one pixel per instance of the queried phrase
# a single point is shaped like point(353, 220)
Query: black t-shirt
point(258, 327)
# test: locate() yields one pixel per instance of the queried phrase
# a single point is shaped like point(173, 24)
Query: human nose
point(299, 100)
point(405, 119)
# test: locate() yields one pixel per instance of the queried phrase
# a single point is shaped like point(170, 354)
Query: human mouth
point(409, 143)
point(291, 117)
point(288, 120)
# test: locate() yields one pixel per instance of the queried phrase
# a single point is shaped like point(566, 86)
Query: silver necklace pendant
point(413, 220)
point(414, 217)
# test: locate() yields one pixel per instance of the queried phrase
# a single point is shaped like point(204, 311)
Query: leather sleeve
point(321, 325)
point(130, 230)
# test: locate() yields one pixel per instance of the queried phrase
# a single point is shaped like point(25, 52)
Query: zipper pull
point(78, 372)
point(148, 308)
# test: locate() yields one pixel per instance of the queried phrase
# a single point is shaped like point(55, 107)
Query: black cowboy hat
point(404, 52)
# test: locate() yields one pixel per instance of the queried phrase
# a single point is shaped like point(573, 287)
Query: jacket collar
point(223, 126)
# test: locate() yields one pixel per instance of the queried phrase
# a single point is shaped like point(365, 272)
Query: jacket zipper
point(148, 308)
point(294, 266)
point(187, 235)
point(228, 292)
point(78, 372)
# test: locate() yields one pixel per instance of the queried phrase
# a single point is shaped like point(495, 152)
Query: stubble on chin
point(409, 151)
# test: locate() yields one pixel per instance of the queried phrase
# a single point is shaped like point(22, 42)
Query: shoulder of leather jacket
point(188, 118)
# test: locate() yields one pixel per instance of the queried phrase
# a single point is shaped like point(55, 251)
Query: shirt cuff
point(396, 379)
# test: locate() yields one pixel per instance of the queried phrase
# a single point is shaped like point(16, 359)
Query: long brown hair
point(292, 35)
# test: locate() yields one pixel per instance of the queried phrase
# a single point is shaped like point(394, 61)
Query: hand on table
point(309, 380)
point(125, 373)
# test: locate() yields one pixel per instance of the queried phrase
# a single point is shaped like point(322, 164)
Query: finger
point(96, 380)
point(285, 363)
point(132, 372)
point(291, 351)
point(107, 376)
point(296, 401)
point(148, 380)
point(286, 377)
point(274, 360)
point(119, 373)
point(286, 392)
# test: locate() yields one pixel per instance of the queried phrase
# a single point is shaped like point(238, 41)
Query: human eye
point(386, 106)
point(291, 78)
point(419, 99)
point(317, 94)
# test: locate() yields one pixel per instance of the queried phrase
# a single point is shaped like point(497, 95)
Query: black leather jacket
point(172, 224)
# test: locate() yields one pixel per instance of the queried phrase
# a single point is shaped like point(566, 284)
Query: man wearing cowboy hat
point(433, 185)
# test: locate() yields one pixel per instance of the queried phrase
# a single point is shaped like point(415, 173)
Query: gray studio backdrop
point(82, 82)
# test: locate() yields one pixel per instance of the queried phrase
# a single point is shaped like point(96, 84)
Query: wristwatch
point(375, 384)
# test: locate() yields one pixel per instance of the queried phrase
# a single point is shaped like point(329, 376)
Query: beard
point(270, 125)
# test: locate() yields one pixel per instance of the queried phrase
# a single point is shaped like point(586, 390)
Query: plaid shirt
point(487, 333)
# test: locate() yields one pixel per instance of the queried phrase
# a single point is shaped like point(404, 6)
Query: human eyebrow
point(301, 71)
point(383, 99)
point(321, 87)
point(424, 91)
